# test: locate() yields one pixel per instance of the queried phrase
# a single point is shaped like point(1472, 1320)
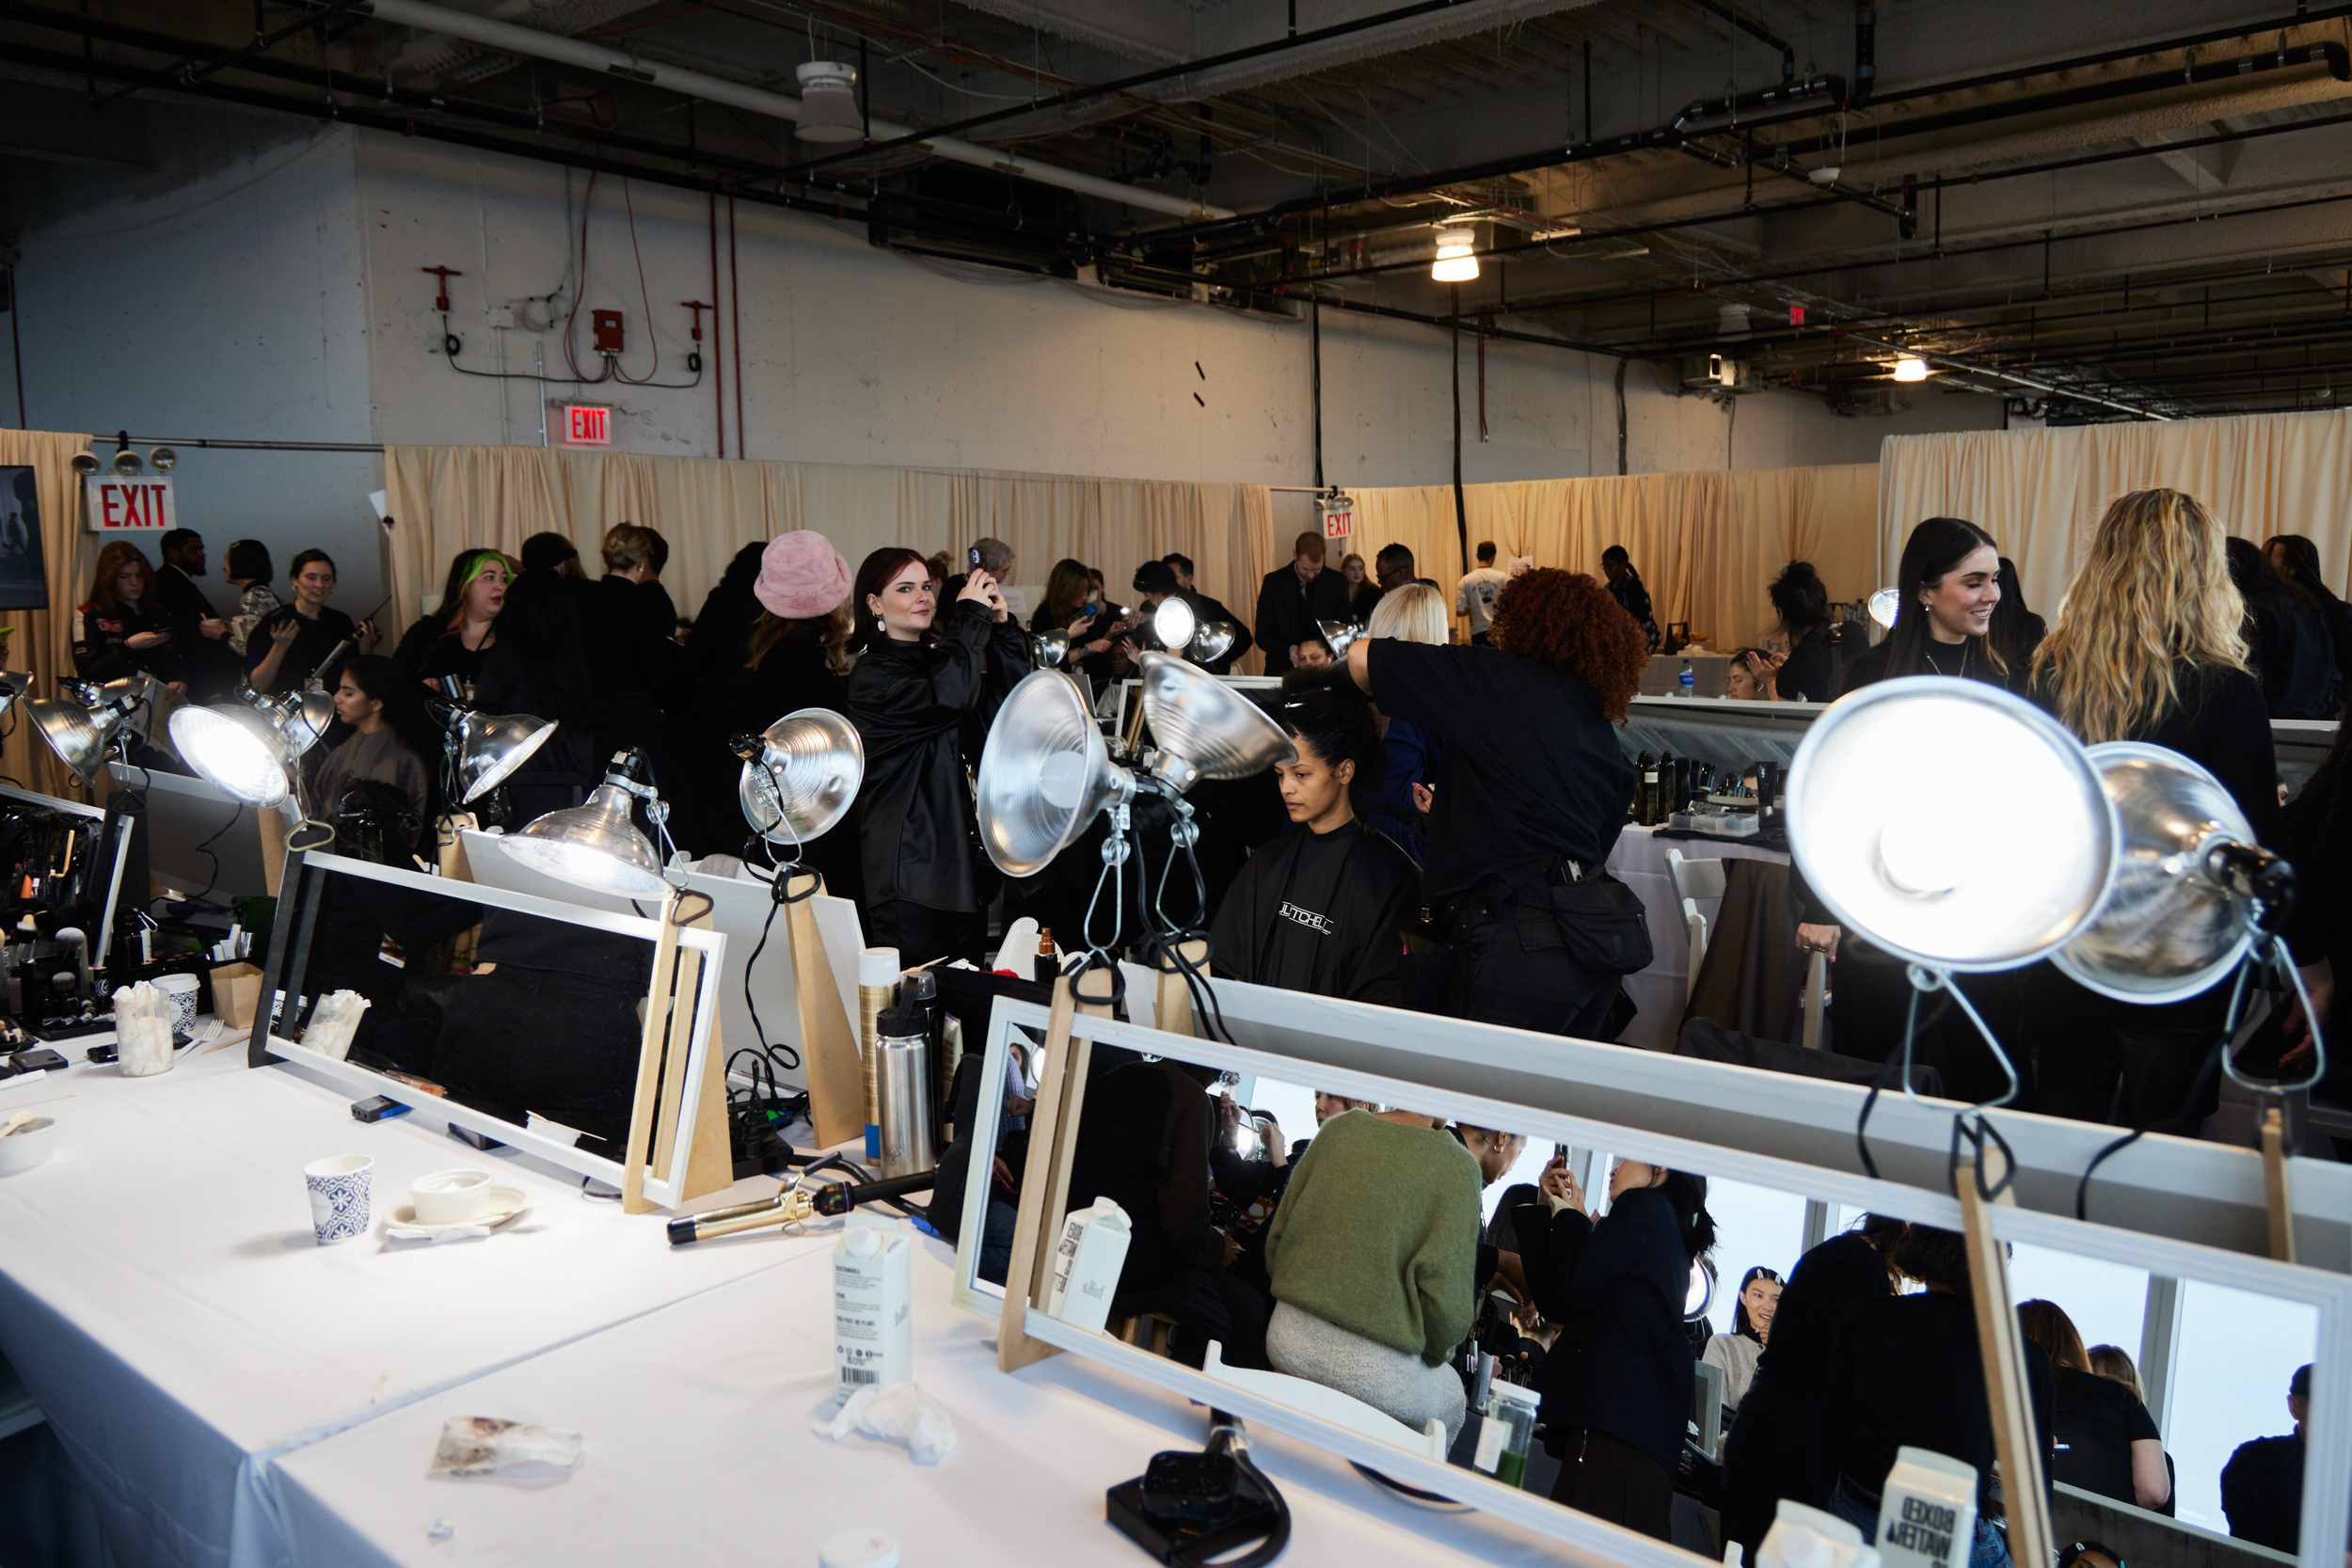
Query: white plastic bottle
point(1802, 1537)
point(1085, 1265)
point(873, 1325)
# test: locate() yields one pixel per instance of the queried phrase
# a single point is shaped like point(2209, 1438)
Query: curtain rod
point(219, 445)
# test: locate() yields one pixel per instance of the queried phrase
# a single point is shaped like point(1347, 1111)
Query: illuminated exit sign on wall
point(588, 424)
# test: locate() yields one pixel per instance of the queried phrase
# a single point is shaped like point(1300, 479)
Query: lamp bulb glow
point(1457, 256)
point(1911, 368)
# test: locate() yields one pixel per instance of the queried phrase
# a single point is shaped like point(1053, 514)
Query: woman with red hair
point(121, 630)
point(1526, 805)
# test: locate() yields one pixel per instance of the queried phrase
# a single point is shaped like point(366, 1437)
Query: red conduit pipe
point(718, 367)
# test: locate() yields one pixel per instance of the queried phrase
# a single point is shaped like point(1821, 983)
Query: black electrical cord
point(453, 345)
point(236, 810)
point(1226, 1438)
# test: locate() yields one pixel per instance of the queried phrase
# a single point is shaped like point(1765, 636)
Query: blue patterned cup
point(342, 1195)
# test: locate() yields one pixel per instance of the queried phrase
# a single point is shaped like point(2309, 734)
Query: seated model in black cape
point(1317, 910)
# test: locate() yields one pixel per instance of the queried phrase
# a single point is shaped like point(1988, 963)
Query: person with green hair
point(445, 648)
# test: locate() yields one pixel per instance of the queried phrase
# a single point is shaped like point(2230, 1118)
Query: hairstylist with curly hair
point(1531, 794)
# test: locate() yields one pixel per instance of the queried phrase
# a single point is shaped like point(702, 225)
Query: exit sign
point(1339, 516)
point(588, 424)
point(115, 505)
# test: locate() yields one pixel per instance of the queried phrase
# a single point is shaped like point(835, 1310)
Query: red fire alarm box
point(588, 424)
point(607, 325)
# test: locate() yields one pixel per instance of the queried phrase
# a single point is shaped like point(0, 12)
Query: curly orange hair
point(1570, 622)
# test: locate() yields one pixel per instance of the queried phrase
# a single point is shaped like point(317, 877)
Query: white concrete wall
point(220, 303)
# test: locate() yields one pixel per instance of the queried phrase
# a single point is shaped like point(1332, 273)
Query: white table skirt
point(164, 1301)
point(1639, 861)
point(698, 1450)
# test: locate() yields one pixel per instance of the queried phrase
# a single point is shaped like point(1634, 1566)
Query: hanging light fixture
point(163, 460)
point(594, 845)
point(1911, 368)
point(1457, 256)
point(82, 734)
point(1173, 622)
point(482, 750)
point(1340, 635)
point(239, 749)
point(129, 464)
point(85, 464)
point(800, 775)
point(1214, 641)
point(828, 111)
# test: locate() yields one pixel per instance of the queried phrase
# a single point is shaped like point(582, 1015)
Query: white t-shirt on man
point(1475, 599)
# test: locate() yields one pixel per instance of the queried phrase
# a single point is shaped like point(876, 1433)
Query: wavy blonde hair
point(2154, 590)
point(1414, 612)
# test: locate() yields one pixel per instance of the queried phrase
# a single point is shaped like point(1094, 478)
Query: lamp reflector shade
point(1173, 622)
point(1458, 259)
point(129, 464)
point(1339, 635)
point(1045, 772)
point(73, 732)
point(828, 111)
point(85, 464)
point(1911, 368)
point(2173, 929)
point(1215, 730)
point(592, 844)
point(162, 459)
point(490, 746)
point(1951, 824)
point(1051, 648)
point(234, 749)
point(147, 704)
point(806, 777)
point(305, 721)
point(1214, 639)
point(1885, 602)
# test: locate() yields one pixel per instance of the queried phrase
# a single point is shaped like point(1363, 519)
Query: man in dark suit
point(197, 627)
point(1293, 598)
point(1205, 609)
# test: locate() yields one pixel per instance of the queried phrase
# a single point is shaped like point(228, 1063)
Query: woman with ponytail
point(1801, 601)
point(1317, 910)
point(1617, 1383)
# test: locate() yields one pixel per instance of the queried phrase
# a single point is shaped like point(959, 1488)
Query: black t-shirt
point(2262, 1492)
point(1532, 771)
point(2098, 1420)
point(311, 645)
point(1307, 918)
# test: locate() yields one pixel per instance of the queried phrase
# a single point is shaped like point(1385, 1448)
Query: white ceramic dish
point(28, 1146)
point(450, 1196)
point(504, 1205)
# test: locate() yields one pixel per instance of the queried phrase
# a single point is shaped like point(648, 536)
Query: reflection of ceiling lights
point(1911, 368)
point(1458, 259)
point(828, 111)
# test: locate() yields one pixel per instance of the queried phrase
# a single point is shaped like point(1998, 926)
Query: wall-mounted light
point(1457, 256)
point(1911, 368)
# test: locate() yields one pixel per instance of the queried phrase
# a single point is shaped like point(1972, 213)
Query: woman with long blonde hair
point(2148, 647)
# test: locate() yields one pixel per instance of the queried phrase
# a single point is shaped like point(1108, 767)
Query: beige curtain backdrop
point(446, 499)
point(42, 640)
point(2040, 492)
point(1707, 545)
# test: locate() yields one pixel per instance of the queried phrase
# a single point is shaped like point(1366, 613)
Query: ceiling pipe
point(513, 40)
point(1970, 367)
point(1756, 30)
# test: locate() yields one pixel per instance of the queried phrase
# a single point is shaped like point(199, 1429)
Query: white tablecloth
point(1639, 861)
point(698, 1451)
point(164, 1298)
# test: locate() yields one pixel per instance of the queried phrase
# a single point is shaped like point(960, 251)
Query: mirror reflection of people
point(120, 631)
point(1529, 799)
point(1372, 1258)
point(1627, 588)
point(1617, 1382)
point(288, 645)
point(1775, 1449)
point(1924, 1344)
point(922, 698)
point(1318, 909)
point(2107, 1443)
point(1737, 1353)
point(1752, 677)
point(2262, 1485)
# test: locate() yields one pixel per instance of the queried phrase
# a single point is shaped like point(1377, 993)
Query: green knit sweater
point(1378, 1233)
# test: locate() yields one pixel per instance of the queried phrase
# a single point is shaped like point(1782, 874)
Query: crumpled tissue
point(143, 1020)
point(901, 1411)
point(333, 1023)
point(487, 1446)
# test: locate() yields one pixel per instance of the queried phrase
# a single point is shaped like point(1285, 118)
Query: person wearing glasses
point(1737, 1353)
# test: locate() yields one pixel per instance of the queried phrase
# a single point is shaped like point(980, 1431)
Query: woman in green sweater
point(1371, 1256)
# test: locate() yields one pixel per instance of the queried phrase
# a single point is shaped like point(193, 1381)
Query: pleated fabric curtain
point(43, 641)
point(1707, 544)
point(2040, 492)
point(446, 499)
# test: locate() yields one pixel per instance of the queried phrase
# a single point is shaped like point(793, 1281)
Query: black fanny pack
point(1598, 923)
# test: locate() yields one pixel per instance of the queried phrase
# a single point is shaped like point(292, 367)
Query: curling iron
point(792, 1205)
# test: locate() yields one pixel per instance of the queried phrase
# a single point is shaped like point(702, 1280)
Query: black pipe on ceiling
point(1756, 30)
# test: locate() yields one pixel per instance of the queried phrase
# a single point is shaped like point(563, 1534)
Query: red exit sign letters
point(115, 505)
point(588, 424)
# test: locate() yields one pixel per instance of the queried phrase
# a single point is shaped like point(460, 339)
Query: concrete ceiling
point(2118, 207)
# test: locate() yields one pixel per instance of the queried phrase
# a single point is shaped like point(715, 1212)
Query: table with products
point(1639, 861)
point(698, 1447)
point(163, 1297)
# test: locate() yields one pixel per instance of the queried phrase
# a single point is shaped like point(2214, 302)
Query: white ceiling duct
point(493, 34)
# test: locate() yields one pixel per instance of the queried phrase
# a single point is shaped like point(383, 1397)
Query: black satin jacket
point(923, 712)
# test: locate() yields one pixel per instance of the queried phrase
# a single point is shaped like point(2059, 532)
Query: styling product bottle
point(877, 989)
point(1927, 1511)
point(1093, 1249)
point(1048, 961)
point(873, 1327)
point(1645, 793)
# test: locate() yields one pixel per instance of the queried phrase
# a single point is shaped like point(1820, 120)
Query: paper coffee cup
point(342, 1195)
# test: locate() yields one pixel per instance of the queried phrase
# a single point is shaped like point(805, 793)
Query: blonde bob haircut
point(1412, 614)
point(625, 545)
point(2153, 590)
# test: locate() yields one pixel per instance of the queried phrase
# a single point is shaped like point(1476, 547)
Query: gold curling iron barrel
point(790, 1206)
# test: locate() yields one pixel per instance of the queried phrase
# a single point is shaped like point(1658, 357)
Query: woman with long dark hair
point(1950, 583)
point(385, 738)
point(2151, 646)
point(1070, 605)
point(445, 648)
point(535, 667)
point(245, 566)
point(2287, 645)
point(1616, 1383)
point(2016, 630)
point(1318, 909)
point(1736, 1353)
point(922, 697)
point(121, 630)
point(2297, 560)
point(1801, 599)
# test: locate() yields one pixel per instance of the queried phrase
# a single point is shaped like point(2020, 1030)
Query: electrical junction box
point(608, 328)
